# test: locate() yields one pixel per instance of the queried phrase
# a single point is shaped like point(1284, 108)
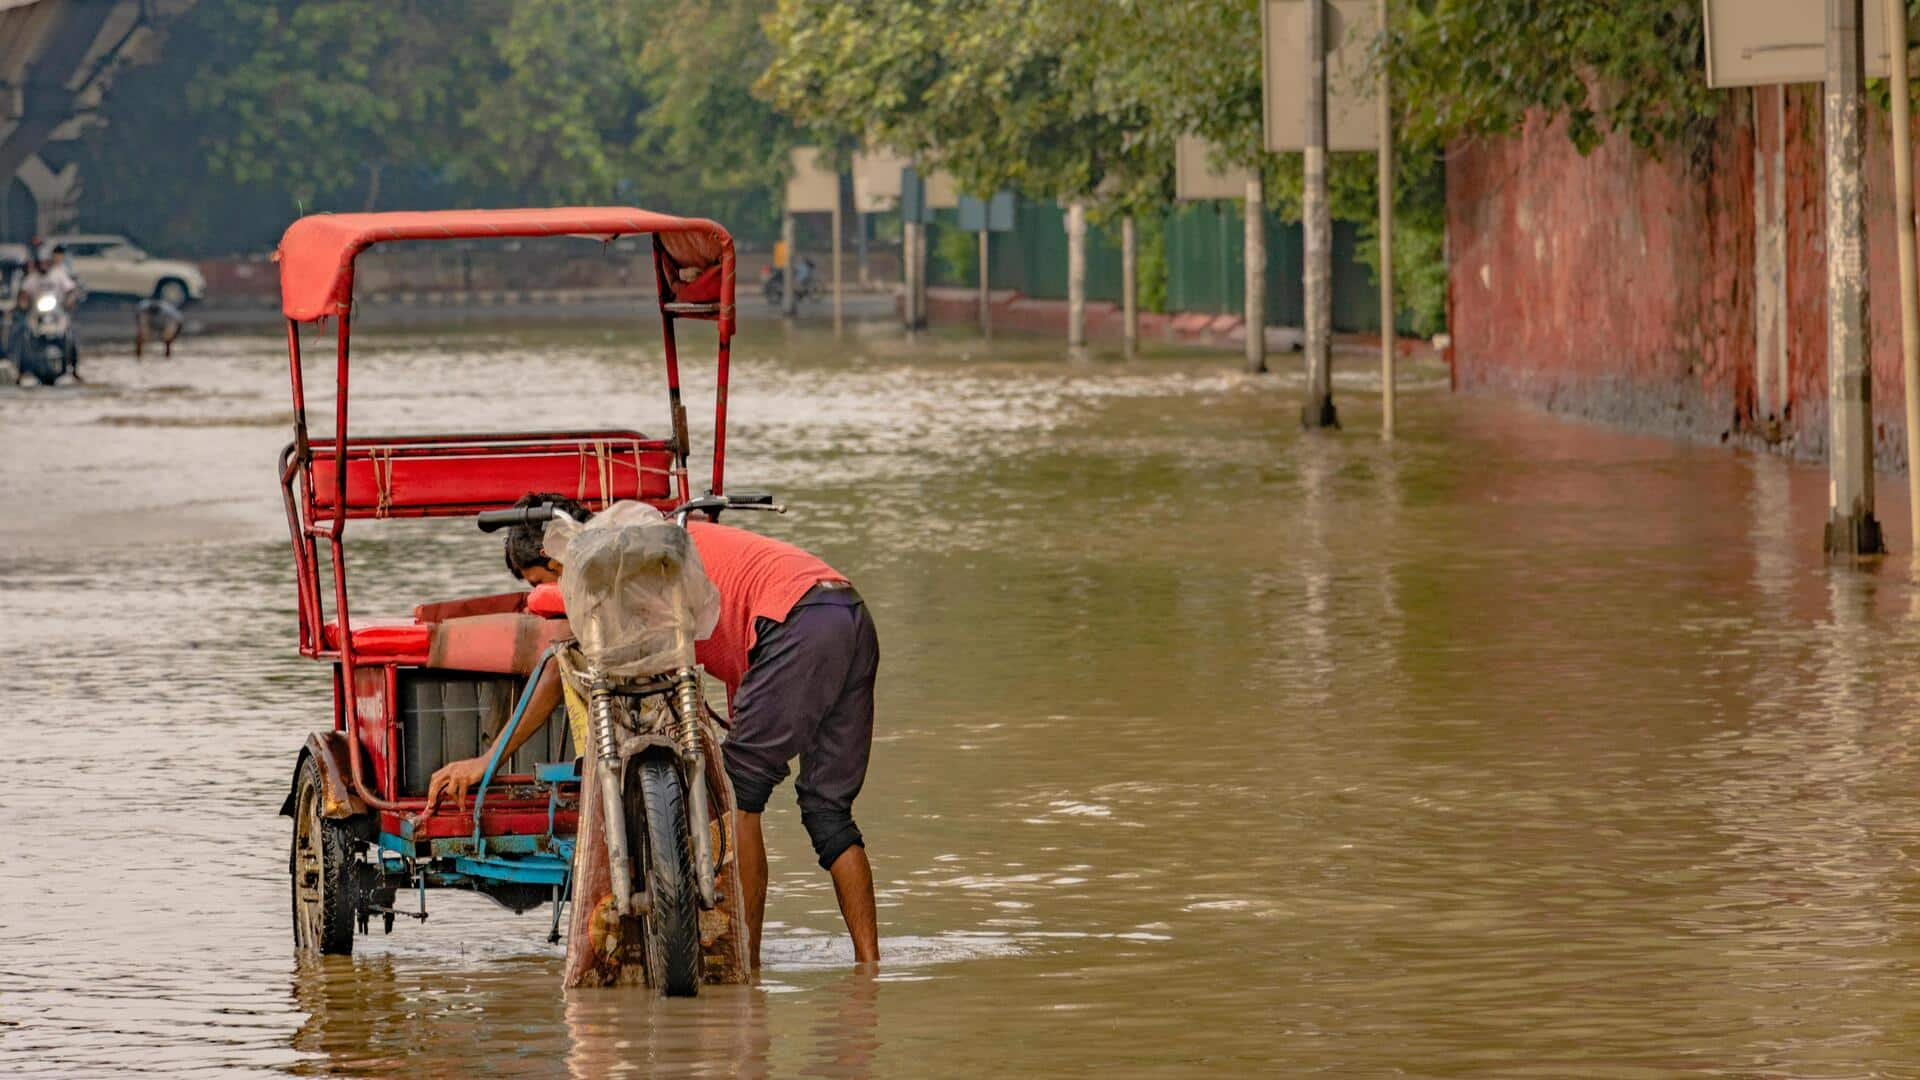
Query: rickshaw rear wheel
point(321, 864)
point(672, 931)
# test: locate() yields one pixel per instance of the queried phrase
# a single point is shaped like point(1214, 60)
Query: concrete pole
point(1255, 248)
point(1076, 275)
point(1768, 276)
point(1317, 228)
point(1387, 336)
point(986, 295)
point(1851, 529)
point(1129, 285)
point(789, 286)
point(1783, 396)
point(910, 301)
point(920, 276)
point(1903, 209)
point(838, 310)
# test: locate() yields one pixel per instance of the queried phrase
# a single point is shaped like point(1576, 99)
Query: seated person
point(798, 655)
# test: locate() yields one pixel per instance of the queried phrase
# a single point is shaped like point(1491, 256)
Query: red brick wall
point(1620, 287)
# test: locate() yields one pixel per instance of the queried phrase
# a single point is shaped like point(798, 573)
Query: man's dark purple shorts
point(808, 693)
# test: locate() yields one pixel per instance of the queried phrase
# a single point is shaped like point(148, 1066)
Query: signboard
point(1194, 176)
point(1763, 42)
point(913, 197)
point(988, 215)
point(811, 188)
point(1353, 121)
point(942, 192)
point(876, 180)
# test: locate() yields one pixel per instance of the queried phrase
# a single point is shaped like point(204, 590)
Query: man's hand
point(454, 778)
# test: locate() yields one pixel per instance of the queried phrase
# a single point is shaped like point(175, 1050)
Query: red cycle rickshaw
point(410, 695)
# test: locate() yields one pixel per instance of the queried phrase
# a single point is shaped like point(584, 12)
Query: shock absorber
point(601, 698)
point(612, 798)
point(687, 705)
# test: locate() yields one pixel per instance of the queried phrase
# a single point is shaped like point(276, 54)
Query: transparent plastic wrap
point(637, 597)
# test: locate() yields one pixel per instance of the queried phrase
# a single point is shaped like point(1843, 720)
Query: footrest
point(557, 772)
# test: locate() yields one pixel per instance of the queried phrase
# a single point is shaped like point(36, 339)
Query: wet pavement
point(1515, 747)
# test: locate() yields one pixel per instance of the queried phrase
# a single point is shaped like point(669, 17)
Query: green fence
point(1206, 263)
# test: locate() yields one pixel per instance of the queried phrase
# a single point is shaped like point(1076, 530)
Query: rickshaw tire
point(339, 888)
point(673, 929)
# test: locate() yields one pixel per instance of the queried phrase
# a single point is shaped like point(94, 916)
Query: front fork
point(689, 734)
point(613, 811)
point(688, 708)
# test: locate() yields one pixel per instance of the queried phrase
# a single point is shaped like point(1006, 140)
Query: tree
point(322, 99)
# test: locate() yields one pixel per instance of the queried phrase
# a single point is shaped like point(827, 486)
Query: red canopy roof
point(316, 253)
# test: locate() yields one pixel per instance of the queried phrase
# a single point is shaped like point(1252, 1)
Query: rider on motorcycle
point(42, 341)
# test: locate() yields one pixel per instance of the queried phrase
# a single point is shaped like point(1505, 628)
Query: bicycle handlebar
point(495, 520)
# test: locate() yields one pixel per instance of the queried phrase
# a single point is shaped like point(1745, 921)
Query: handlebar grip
point(495, 520)
point(751, 498)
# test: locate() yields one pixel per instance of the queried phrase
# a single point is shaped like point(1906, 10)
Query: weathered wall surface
point(1621, 288)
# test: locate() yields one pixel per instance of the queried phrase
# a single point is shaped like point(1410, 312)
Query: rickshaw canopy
point(316, 253)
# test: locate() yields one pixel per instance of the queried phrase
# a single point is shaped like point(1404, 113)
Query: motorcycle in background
point(41, 342)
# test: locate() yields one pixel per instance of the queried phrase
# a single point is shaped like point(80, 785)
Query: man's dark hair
point(523, 541)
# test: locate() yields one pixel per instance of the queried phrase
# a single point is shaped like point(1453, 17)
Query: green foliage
point(1466, 68)
point(263, 109)
point(1002, 93)
point(958, 253)
point(1151, 262)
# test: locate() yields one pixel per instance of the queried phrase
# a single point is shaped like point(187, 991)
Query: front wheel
point(673, 927)
point(322, 865)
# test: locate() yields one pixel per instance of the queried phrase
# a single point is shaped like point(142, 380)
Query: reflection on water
point(1205, 744)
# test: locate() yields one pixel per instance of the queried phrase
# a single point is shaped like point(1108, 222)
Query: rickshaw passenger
point(798, 655)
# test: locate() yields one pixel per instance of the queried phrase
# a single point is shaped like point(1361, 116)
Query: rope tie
point(382, 458)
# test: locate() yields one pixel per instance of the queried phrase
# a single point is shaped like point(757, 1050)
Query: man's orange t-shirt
point(758, 577)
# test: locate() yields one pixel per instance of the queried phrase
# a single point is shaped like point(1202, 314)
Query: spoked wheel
point(322, 866)
point(673, 929)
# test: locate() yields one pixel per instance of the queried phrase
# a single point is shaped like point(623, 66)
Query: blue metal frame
point(500, 745)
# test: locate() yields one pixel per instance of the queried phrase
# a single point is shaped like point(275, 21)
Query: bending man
point(798, 654)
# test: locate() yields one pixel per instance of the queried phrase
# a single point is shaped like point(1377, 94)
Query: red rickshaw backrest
point(452, 475)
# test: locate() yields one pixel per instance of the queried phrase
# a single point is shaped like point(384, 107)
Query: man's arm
point(455, 777)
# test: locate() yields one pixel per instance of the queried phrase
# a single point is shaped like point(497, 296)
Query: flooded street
point(1204, 745)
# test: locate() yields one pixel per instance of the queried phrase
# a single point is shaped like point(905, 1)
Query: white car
point(106, 264)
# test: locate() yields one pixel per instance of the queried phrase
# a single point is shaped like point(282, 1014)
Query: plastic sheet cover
point(637, 597)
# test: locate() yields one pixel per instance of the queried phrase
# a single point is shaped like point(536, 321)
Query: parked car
point(114, 265)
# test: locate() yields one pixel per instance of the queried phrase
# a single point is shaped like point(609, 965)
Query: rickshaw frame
point(330, 479)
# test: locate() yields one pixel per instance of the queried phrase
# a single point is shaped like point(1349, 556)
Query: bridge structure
point(57, 58)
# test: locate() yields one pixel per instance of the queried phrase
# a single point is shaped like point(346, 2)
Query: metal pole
point(1903, 208)
point(860, 248)
point(986, 299)
point(1255, 249)
point(837, 308)
point(1317, 226)
point(1076, 275)
point(1387, 335)
point(1129, 285)
point(1851, 529)
point(789, 288)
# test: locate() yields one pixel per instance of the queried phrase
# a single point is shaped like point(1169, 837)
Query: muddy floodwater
point(1517, 747)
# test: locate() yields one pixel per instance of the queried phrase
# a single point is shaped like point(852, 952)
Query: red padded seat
point(385, 642)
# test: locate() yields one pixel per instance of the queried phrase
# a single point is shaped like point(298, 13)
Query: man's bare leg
point(750, 858)
point(853, 887)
